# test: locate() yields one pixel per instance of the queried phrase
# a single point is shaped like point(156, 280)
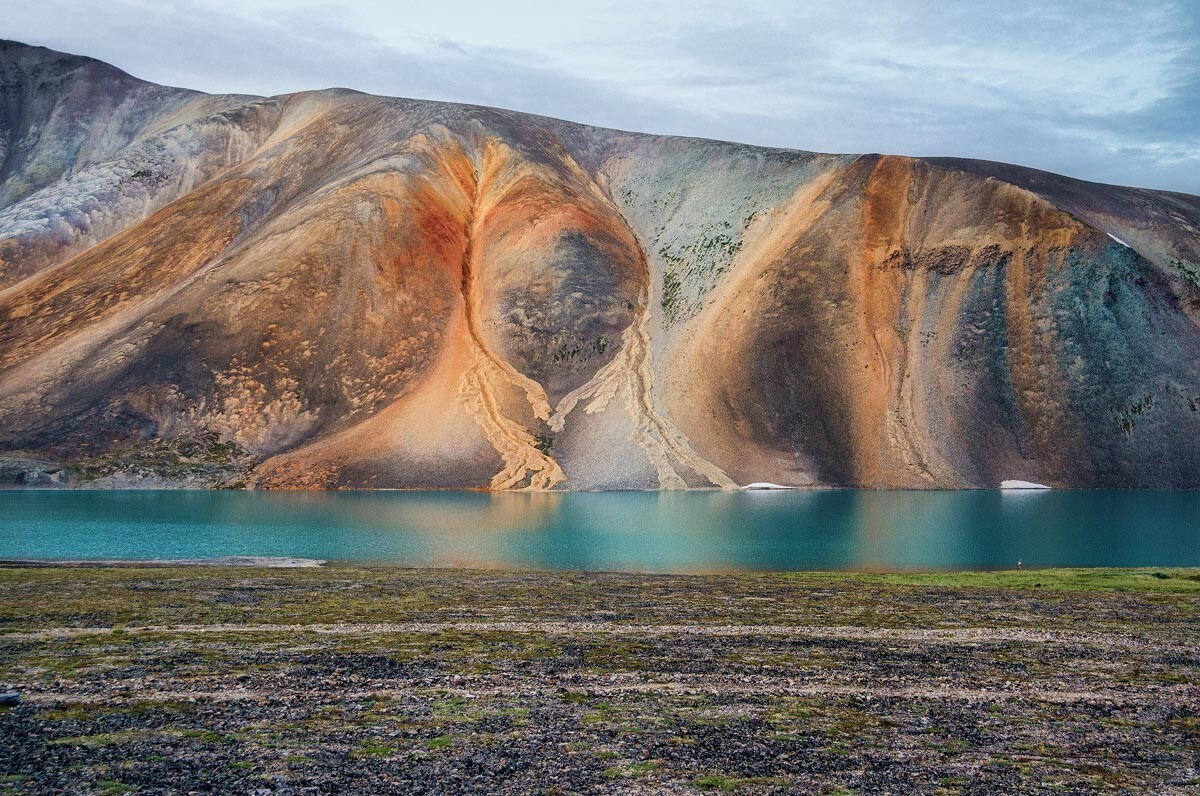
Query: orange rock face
point(359, 291)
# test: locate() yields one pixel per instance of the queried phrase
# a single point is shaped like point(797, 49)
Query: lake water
point(639, 531)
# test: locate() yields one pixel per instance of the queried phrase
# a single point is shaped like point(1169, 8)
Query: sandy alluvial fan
point(335, 289)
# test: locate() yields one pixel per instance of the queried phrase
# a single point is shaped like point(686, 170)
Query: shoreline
point(266, 562)
point(1137, 578)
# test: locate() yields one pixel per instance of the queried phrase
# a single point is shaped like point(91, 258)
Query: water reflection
point(645, 531)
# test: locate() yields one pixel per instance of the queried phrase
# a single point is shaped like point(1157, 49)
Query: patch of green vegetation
point(726, 784)
point(517, 713)
point(606, 713)
point(77, 712)
point(112, 787)
point(206, 736)
point(148, 177)
point(715, 782)
point(33, 598)
point(567, 352)
point(11, 783)
point(440, 742)
point(697, 264)
point(1187, 272)
point(544, 442)
point(670, 296)
point(580, 350)
point(1097, 579)
point(1125, 417)
point(373, 748)
point(574, 696)
point(615, 654)
point(202, 456)
point(120, 737)
point(851, 722)
point(458, 710)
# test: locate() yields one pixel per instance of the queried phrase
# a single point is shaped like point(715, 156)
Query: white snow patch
point(765, 485)
point(1118, 240)
point(1021, 485)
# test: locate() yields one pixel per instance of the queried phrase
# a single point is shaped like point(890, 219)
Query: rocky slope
point(335, 289)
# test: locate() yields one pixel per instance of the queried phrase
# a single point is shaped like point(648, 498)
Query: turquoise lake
point(636, 531)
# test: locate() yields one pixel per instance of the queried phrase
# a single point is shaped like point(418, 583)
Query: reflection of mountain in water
point(695, 531)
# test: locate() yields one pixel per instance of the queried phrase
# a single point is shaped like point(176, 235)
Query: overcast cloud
point(1103, 90)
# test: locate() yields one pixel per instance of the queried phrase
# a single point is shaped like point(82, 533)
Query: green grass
point(100, 740)
point(206, 736)
point(372, 748)
point(44, 597)
point(715, 782)
point(724, 784)
point(1107, 579)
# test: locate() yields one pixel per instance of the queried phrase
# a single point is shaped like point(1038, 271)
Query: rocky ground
point(188, 461)
point(337, 680)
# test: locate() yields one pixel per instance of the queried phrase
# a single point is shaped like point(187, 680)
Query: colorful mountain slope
point(332, 289)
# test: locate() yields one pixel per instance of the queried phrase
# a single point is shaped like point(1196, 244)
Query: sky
point(1105, 90)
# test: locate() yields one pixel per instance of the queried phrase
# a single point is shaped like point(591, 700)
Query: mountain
point(333, 289)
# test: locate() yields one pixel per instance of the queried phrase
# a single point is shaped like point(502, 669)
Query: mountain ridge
point(498, 300)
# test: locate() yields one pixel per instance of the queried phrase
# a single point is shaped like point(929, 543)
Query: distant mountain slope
point(334, 289)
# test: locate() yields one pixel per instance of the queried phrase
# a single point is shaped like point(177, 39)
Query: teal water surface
point(640, 531)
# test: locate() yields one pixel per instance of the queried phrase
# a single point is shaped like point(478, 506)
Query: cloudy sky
point(1106, 90)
